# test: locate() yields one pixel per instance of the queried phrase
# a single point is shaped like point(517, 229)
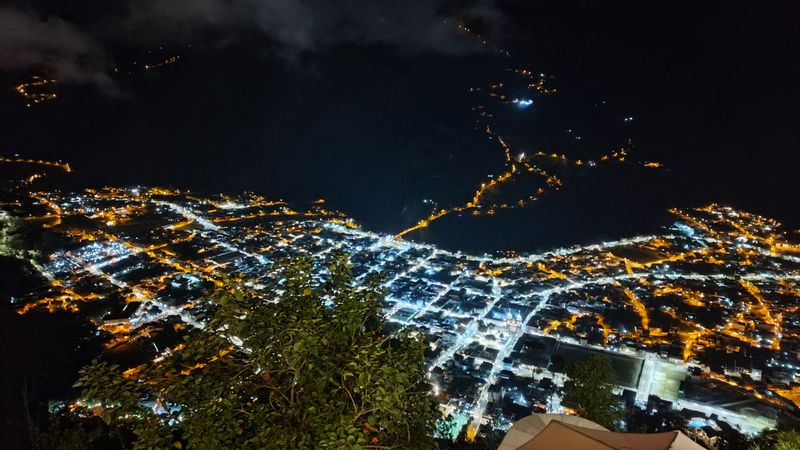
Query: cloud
point(75, 53)
point(51, 45)
point(312, 25)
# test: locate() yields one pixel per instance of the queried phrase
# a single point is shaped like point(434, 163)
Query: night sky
point(363, 103)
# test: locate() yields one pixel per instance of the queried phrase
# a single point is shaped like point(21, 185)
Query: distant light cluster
point(489, 197)
point(38, 90)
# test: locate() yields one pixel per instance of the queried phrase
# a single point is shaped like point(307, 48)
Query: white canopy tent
point(561, 431)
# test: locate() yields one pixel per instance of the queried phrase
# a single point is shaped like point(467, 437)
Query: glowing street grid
point(703, 315)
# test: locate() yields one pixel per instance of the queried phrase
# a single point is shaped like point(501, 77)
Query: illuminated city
point(707, 305)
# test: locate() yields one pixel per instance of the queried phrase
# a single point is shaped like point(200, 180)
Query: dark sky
point(362, 103)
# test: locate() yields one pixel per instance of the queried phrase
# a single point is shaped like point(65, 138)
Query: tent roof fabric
point(573, 434)
point(528, 427)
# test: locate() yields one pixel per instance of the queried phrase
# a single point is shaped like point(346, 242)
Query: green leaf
point(286, 392)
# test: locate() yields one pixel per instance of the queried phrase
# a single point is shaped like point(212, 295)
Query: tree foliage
point(590, 390)
point(488, 438)
point(777, 440)
point(14, 241)
point(63, 432)
point(310, 368)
